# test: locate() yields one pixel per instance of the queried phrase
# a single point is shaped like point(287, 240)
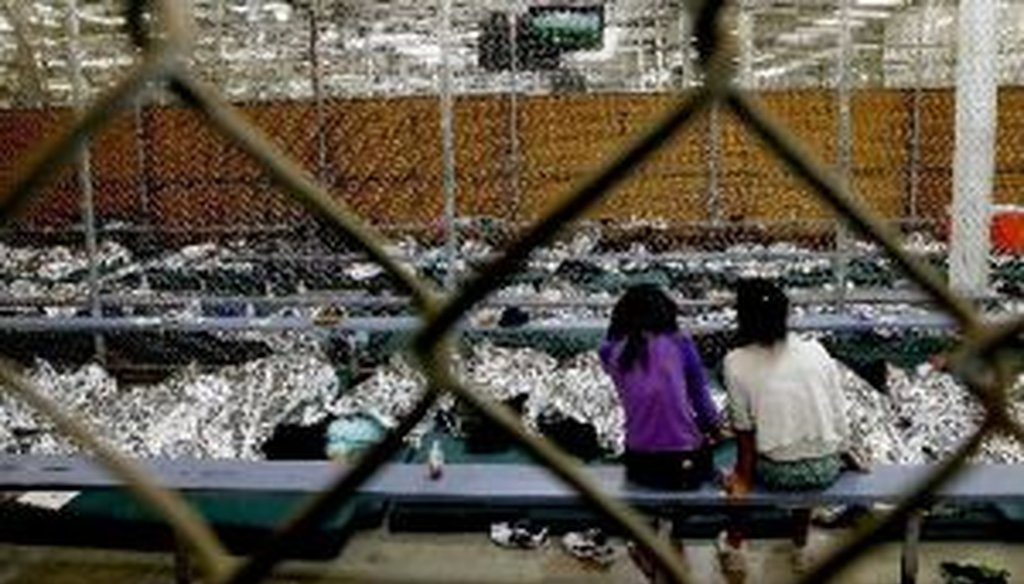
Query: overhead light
point(833, 22)
point(880, 3)
point(802, 36)
point(869, 13)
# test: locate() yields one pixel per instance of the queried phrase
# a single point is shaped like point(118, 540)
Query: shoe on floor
point(591, 546)
point(520, 535)
point(732, 560)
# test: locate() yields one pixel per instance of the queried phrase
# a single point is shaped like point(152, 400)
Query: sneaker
point(590, 546)
point(830, 516)
point(733, 560)
point(519, 535)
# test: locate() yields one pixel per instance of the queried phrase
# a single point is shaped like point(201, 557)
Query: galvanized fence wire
point(986, 370)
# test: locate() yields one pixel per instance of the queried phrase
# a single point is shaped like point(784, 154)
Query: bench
point(519, 484)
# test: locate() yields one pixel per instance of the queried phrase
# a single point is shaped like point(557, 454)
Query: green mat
point(114, 518)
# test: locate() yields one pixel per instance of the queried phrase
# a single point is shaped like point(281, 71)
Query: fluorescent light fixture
point(831, 23)
point(803, 36)
point(869, 14)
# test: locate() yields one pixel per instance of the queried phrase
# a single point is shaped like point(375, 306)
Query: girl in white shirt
point(787, 409)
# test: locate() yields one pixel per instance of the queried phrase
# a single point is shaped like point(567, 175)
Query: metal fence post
point(914, 178)
point(448, 146)
point(318, 94)
point(844, 144)
point(910, 553)
point(714, 165)
point(515, 192)
point(84, 176)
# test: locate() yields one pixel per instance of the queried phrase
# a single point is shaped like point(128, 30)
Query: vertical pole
point(911, 545)
point(318, 97)
point(142, 161)
point(714, 162)
point(515, 184)
point(914, 193)
point(84, 175)
point(712, 151)
point(448, 144)
point(844, 152)
point(974, 152)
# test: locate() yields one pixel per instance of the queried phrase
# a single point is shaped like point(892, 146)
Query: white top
point(791, 395)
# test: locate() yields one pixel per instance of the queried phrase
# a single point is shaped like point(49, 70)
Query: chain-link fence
point(194, 214)
point(361, 99)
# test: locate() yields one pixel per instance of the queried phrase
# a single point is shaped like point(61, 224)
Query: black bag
point(577, 438)
point(483, 436)
point(297, 442)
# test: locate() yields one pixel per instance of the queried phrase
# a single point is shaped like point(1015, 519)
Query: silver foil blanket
point(926, 415)
point(226, 413)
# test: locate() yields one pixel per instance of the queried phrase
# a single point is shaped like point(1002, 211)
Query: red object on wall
point(1008, 228)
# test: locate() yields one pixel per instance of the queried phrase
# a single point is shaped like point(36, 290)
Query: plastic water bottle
point(435, 461)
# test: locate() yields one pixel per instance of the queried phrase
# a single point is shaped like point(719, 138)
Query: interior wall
point(167, 168)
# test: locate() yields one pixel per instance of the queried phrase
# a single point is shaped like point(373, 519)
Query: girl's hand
point(735, 485)
point(714, 436)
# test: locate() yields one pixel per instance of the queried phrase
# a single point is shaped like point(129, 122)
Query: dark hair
point(762, 309)
point(643, 309)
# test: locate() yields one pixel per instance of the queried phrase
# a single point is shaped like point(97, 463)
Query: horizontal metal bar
point(819, 322)
point(464, 223)
point(505, 483)
point(363, 300)
point(542, 255)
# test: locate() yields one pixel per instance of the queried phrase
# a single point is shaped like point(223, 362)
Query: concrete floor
point(380, 557)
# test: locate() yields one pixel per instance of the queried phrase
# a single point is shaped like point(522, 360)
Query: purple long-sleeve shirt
point(665, 397)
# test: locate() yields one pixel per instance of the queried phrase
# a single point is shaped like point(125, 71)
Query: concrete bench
point(519, 484)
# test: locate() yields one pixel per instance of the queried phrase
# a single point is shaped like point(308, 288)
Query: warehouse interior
point(188, 191)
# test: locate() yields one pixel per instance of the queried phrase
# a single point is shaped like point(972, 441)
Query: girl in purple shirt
point(661, 384)
point(669, 414)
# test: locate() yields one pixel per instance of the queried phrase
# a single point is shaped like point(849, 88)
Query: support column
point(714, 165)
point(974, 154)
point(448, 144)
point(84, 175)
point(143, 162)
point(914, 180)
point(844, 142)
point(911, 548)
point(515, 183)
point(318, 94)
